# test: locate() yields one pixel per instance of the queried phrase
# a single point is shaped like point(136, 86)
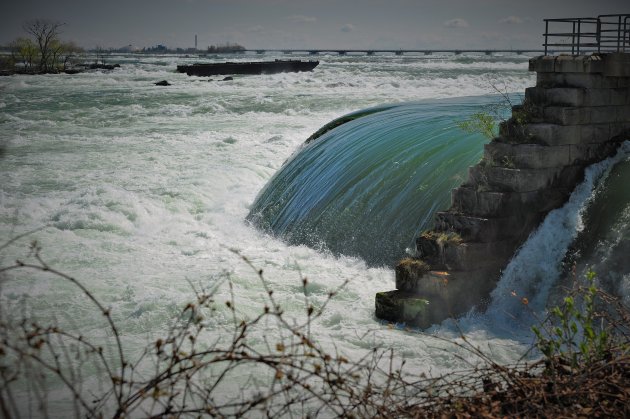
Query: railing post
point(579, 34)
point(598, 35)
point(619, 34)
point(546, 34)
point(573, 39)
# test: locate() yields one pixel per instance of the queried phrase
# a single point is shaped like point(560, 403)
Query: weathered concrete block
point(469, 256)
point(542, 64)
point(469, 200)
point(586, 154)
point(623, 113)
point(585, 115)
point(597, 97)
point(449, 294)
point(577, 96)
point(620, 131)
point(608, 114)
point(410, 308)
point(481, 229)
point(579, 64)
point(556, 135)
point(567, 115)
point(566, 96)
point(617, 65)
point(584, 80)
point(619, 96)
point(408, 271)
point(527, 156)
point(523, 180)
point(595, 133)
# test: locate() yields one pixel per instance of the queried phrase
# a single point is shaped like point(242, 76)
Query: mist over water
point(143, 190)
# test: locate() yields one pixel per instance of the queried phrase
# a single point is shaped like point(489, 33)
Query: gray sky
point(303, 23)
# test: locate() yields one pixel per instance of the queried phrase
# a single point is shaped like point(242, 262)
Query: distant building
point(129, 48)
point(157, 49)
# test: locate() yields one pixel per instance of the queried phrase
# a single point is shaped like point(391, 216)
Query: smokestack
point(195, 41)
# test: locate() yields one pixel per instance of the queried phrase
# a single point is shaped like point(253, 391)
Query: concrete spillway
point(577, 114)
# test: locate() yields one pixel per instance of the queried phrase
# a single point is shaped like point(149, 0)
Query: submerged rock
point(162, 83)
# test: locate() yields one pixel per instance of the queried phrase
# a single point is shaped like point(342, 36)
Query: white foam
point(538, 263)
point(142, 193)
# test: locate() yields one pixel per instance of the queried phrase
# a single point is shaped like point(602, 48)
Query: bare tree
point(45, 33)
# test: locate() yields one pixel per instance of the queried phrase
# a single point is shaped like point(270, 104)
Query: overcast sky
point(391, 24)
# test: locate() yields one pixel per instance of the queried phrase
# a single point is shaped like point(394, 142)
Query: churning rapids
point(141, 190)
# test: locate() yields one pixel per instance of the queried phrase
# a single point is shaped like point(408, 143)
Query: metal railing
point(604, 33)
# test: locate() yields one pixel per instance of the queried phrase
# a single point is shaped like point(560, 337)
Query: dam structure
point(577, 114)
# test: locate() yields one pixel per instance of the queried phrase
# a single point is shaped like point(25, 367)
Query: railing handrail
point(611, 33)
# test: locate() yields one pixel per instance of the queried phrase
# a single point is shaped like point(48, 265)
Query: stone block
point(579, 64)
point(452, 293)
point(591, 134)
point(617, 65)
point(555, 135)
point(555, 96)
point(562, 115)
point(468, 200)
point(597, 97)
point(399, 306)
point(620, 131)
point(470, 256)
point(542, 64)
point(577, 96)
point(523, 180)
point(623, 114)
point(409, 270)
point(482, 229)
point(586, 115)
point(527, 156)
point(607, 114)
point(588, 81)
point(590, 153)
point(619, 96)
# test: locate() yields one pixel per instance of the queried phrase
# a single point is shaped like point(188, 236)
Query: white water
point(142, 189)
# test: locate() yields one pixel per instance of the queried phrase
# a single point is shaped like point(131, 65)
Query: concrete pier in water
point(577, 114)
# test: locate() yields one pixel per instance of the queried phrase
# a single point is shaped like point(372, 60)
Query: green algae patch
point(399, 306)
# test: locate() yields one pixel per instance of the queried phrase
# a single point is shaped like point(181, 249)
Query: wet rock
point(162, 83)
point(399, 306)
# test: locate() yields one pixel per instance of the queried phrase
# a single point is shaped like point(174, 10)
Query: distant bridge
point(392, 51)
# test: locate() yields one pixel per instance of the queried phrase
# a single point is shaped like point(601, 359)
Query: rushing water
point(142, 190)
point(370, 186)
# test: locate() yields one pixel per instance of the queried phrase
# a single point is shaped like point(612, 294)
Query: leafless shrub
point(192, 371)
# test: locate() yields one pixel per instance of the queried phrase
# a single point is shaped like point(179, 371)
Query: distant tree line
point(217, 49)
point(42, 51)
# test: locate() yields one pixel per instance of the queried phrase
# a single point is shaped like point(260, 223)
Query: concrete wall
point(577, 114)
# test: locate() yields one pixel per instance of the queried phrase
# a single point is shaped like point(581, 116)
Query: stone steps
point(576, 115)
